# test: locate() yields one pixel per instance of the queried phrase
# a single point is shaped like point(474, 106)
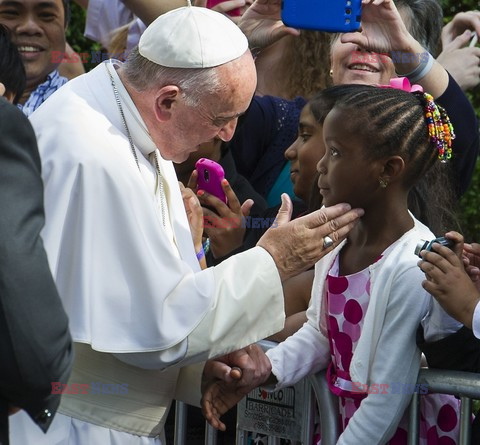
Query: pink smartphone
point(210, 177)
point(233, 13)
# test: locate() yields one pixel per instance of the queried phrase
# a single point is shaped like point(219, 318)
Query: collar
point(136, 125)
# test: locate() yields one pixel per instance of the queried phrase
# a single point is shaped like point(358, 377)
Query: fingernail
point(224, 182)
point(200, 193)
point(360, 212)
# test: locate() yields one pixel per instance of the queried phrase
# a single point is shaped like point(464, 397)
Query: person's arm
point(466, 144)
point(224, 325)
point(35, 343)
point(149, 10)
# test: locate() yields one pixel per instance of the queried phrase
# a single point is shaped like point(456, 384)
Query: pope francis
point(118, 238)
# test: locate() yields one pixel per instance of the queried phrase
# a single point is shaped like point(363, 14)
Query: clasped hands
point(227, 379)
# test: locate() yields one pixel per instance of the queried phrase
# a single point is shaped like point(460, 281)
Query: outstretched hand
point(297, 245)
point(262, 24)
point(226, 380)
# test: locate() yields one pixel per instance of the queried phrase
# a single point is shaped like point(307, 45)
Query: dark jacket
point(35, 343)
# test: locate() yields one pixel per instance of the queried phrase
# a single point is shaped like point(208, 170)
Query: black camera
point(427, 245)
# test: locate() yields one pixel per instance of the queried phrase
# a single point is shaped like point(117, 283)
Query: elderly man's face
point(38, 28)
point(217, 115)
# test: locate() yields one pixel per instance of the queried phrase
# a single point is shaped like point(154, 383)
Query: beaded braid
point(440, 129)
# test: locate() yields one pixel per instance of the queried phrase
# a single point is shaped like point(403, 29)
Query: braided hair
point(410, 125)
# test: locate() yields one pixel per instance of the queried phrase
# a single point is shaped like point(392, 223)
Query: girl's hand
point(224, 225)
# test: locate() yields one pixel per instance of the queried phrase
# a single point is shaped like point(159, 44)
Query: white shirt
point(105, 16)
point(128, 285)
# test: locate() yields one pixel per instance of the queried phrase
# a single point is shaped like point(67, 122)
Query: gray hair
point(194, 83)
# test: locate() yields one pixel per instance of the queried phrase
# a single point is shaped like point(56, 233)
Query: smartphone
point(210, 177)
point(323, 15)
point(233, 12)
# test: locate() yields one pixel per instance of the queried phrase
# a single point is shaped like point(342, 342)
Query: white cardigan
point(386, 352)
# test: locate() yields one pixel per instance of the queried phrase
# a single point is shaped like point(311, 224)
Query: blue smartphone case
point(322, 15)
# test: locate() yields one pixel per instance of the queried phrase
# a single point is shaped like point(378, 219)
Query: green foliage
point(470, 202)
point(75, 36)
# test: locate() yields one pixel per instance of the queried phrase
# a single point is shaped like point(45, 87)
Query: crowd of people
point(121, 291)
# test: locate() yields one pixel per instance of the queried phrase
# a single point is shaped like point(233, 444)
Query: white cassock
point(132, 288)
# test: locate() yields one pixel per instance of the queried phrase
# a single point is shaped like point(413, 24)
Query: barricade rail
point(299, 403)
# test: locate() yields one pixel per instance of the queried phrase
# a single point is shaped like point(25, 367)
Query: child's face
point(305, 153)
point(346, 175)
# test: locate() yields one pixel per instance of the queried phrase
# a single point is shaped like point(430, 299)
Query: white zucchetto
point(192, 37)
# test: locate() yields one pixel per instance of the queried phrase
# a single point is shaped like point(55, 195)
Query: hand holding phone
point(210, 177)
point(323, 15)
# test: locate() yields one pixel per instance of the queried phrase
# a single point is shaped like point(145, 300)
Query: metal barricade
point(465, 385)
point(290, 415)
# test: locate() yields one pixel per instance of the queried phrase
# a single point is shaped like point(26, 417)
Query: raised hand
point(224, 225)
point(383, 29)
point(262, 24)
point(460, 23)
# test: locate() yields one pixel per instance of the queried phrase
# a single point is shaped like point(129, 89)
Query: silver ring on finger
point(327, 242)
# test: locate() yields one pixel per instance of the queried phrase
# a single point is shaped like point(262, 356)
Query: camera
point(427, 245)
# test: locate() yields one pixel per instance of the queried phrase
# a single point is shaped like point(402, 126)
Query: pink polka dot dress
point(347, 302)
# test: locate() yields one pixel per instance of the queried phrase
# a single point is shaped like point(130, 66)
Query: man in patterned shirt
point(38, 29)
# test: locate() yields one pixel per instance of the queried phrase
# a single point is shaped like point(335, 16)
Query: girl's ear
point(393, 168)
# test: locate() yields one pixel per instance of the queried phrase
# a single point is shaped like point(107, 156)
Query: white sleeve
point(103, 17)
point(235, 319)
point(396, 362)
point(305, 352)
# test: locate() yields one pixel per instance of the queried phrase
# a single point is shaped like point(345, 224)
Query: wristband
point(200, 254)
point(206, 245)
point(421, 70)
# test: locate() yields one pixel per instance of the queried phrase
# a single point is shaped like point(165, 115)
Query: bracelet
point(206, 245)
point(421, 70)
point(200, 254)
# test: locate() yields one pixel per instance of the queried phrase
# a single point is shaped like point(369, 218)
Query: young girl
point(367, 299)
